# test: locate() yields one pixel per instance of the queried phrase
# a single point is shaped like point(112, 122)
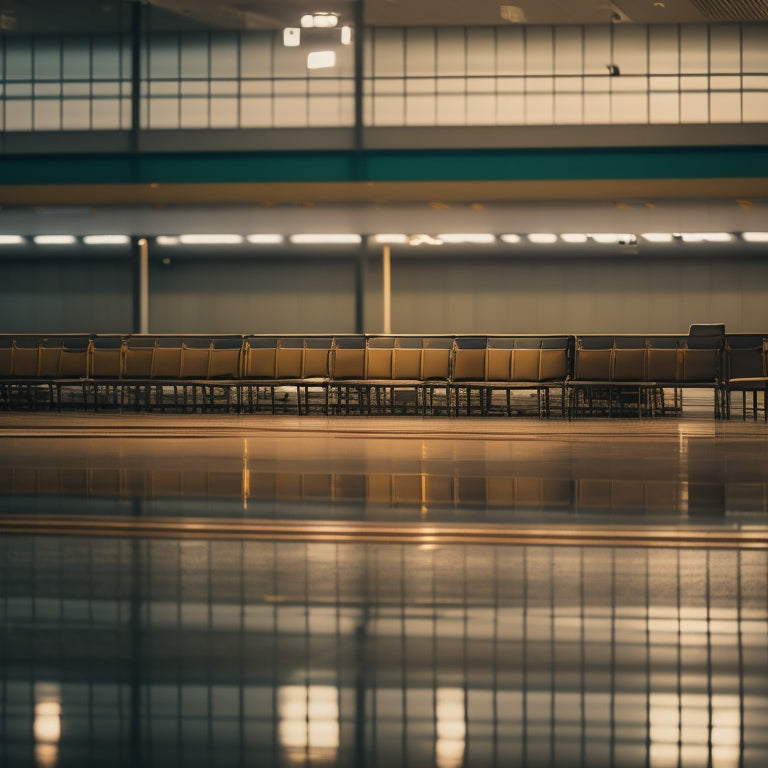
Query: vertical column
point(361, 270)
point(135, 75)
point(141, 285)
point(386, 293)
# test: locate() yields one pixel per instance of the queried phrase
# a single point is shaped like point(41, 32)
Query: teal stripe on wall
point(380, 166)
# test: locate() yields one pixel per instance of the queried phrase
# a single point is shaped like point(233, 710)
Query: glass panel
point(539, 109)
point(755, 106)
point(630, 48)
point(663, 49)
point(106, 58)
point(194, 55)
point(725, 48)
point(597, 49)
point(47, 53)
point(569, 109)
point(224, 55)
point(419, 52)
point(754, 39)
point(569, 50)
point(694, 108)
point(451, 52)
point(510, 51)
point(664, 108)
point(694, 49)
point(539, 54)
point(389, 53)
point(481, 109)
point(164, 57)
point(18, 59)
point(76, 54)
point(481, 52)
point(725, 108)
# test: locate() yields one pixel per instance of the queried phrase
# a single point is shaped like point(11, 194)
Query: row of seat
point(374, 373)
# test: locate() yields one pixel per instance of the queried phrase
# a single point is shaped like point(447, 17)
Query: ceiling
point(28, 17)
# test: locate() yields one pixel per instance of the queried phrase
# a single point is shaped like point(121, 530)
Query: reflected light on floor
point(47, 725)
point(309, 722)
point(451, 728)
point(691, 727)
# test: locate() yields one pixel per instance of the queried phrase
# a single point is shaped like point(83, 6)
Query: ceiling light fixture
point(607, 238)
point(510, 238)
point(106, 240)
point(291, 37)
point(390, 239)
point(210, 239)
point(321, 59)
point(54, 239)
point(705, 237)
point(474, 238)
point(542, 238)
point(264, 239)
point(344, 239)
point(657, 237)
point(11, 239)
point(424, 240)
point(755, 237)
point(573, 237)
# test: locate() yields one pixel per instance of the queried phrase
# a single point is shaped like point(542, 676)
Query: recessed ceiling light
point(657, 237)
point(542, 238)
point(706, 237)
point(106, 239)
point(391, 239)
point(511, 238)
point(342, 239)
point(11, 239)
point(573, 237)
point(476, 238)
point(611, 237)
point(755, 237)
point(210, 239)
point(54, 239)
point(264, 239)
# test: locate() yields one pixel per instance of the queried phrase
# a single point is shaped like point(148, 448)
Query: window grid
point(521, 78)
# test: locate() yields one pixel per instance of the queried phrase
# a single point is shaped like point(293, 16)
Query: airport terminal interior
point(384, 383)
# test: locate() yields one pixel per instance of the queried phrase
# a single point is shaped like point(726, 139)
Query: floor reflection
point(301, 474)
point(231, 653)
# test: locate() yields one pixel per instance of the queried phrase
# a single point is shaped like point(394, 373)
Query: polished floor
point(236, 591)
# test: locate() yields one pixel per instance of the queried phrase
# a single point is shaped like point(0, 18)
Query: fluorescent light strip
point(475, 238)
point(346, 35)
point(573, 237)
point(167, 240)
point(11, 239)
point(657, 237)
point(106, 239)
point(392, 239)
point(264, 239)
point(607, 238)
point(210, 239)
point(510, 238)
point(706, 237)
point(325, 239)
point(54, 239)
point(755, 237)
point(542, 238)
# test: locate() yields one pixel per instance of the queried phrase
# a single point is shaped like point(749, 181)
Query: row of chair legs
point(344, 398)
